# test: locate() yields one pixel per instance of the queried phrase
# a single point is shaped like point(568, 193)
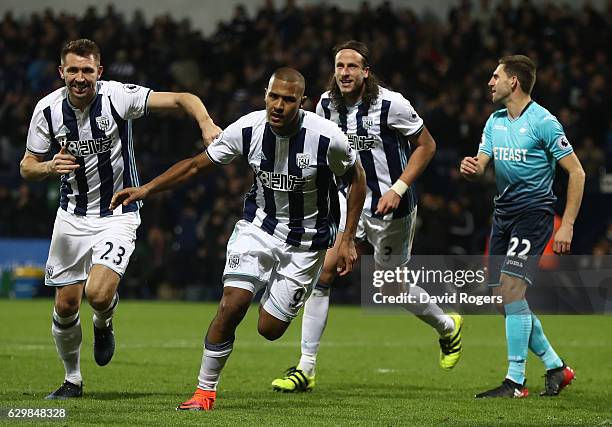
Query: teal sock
point(518, 330)
point(541, 347)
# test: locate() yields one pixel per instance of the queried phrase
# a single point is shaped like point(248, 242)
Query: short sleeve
point(130, 100)
point(227, 146)
point(319, 109)
point(485, 145)
point(340, 155)
point(39, 137)
point(553, 137)
point(322, 108)
point(403, 117)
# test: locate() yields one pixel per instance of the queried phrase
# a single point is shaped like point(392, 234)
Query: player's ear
point(304, 98)
point(60, 69)
point(100, 70)
point(366, 72)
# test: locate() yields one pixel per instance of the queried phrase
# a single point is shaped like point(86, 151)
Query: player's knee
point(270, 327)
point(327, 276)
point(509, 296)
point(67, 306)
point(271, 334)
point(99, 298)
point(231, 311)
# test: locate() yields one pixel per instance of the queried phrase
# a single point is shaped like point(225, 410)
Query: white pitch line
point(385, 371)
point(183, 344)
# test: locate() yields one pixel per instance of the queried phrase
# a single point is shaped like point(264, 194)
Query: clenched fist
point(62, 163)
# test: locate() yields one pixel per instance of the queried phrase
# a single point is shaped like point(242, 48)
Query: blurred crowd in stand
point(441, 65)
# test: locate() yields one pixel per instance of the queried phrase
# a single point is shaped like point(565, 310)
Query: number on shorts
point(110, 248)
point(297, 297)
point(120, 253)
point(514, 242)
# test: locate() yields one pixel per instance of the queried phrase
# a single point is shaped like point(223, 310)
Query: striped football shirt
point(100, 137)
point(294, 188)
point(379, 132)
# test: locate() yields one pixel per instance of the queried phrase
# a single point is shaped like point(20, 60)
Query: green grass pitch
point(373, 370)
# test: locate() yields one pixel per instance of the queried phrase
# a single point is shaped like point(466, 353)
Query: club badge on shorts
point(233, 261)
point(48, 271)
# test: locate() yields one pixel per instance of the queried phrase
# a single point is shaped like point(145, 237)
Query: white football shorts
point(79, 242)
point(391, 239)
point(257, 260)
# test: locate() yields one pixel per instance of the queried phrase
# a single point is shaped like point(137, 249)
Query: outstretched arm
point(347, 255)
point(179, 173)
point(190, 104)
point(425, 148)
point(575, 188)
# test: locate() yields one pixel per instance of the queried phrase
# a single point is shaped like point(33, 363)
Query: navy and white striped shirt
point(100, 137)
point(293, 176)
point(379, 133)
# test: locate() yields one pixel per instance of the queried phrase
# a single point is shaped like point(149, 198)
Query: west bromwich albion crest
point(103, 123)
point(48, 271)
point(62, 135)
point(368, 122)
point(233, 261)
point(302, 160)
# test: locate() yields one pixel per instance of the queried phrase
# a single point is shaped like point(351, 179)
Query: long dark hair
point(370, 94)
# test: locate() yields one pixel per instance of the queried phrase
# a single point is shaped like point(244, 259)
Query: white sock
point(66, 332)
point(213, 361)
point(102, 318)
point(429, 312)
point(314, 321)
